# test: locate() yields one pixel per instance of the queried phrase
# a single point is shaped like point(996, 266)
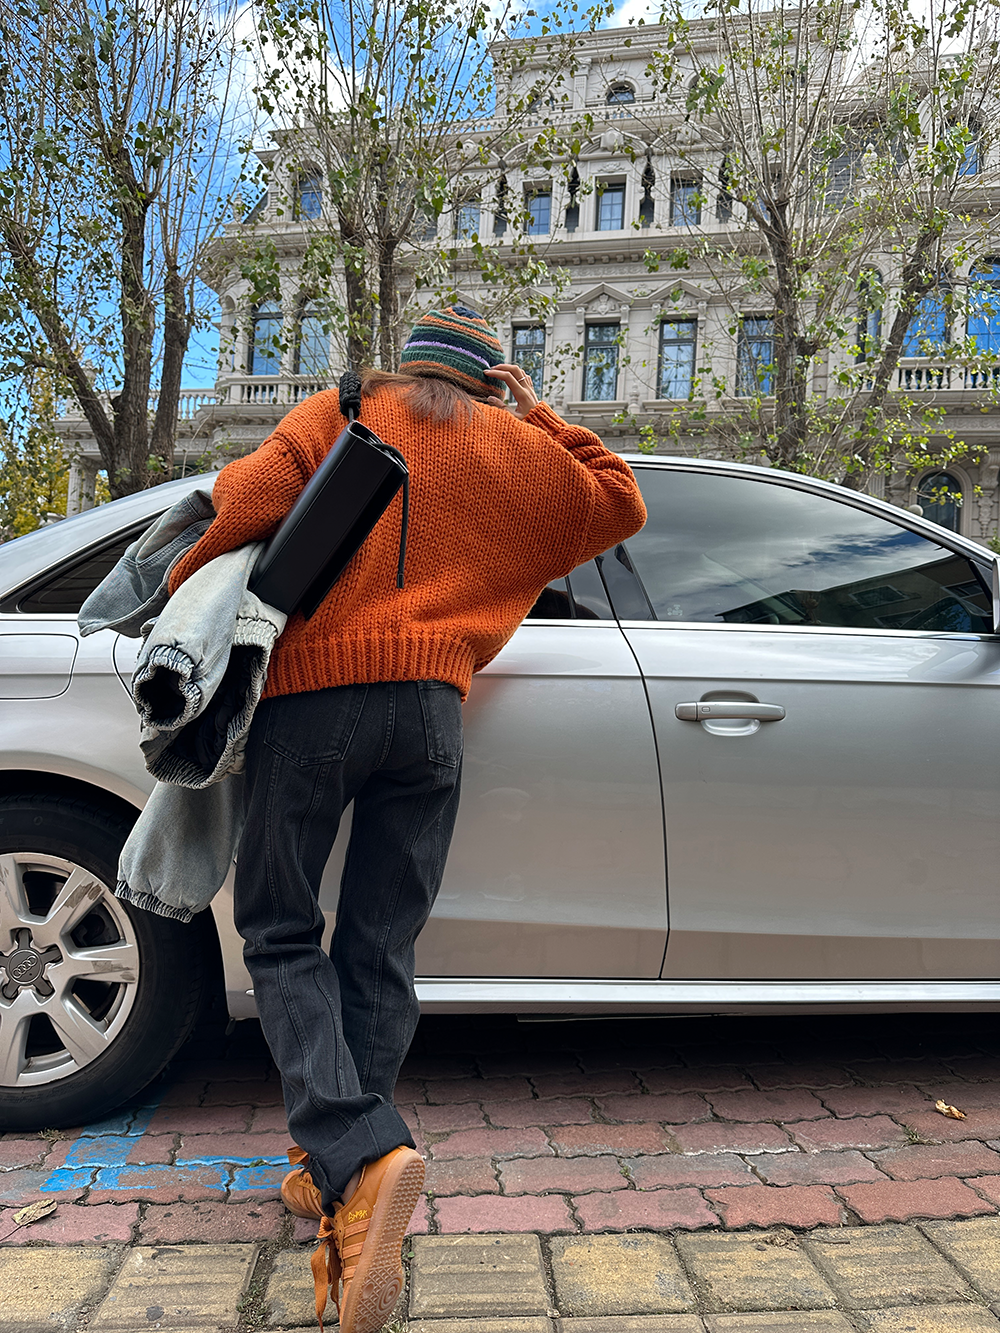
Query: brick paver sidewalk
point(665, 1174)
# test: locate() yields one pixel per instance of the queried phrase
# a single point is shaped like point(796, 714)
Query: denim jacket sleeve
point(136, 590)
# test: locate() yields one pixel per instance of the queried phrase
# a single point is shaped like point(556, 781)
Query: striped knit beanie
point(455, 344)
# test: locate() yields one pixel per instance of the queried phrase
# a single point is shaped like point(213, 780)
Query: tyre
point(95, 995)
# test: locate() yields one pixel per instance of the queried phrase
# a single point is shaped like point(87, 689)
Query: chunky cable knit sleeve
point(616, 509)
point(251, 497)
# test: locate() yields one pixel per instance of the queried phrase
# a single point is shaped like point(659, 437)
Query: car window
point(580, 597)
point(732, 549)
point(65, 591)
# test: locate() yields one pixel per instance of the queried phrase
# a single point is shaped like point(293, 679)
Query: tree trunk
point(176, 331)
point(388, 306)
point(360, 311)
point(915, 285)
point(793, 353)
point(131, 406)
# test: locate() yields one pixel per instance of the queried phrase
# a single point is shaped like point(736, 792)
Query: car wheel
point(95, 995)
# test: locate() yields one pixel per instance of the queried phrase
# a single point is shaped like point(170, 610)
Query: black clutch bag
point(339, 506)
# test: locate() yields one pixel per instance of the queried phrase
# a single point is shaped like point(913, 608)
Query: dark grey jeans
point(339, 1025)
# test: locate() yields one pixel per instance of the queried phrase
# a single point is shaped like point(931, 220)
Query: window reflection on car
point(740, 551)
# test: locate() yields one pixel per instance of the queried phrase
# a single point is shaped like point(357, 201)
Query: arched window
point(940, 496)
point(312, 343)
point(984, 306)
point(309, 194)
point(621, 94)
point(265, 345)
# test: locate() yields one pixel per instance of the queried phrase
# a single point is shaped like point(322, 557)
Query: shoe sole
point(377, 1283)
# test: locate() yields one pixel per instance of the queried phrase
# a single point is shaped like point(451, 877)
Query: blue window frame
point(869, 314)
point(970, 163)
point(529, 353)
point(539, 210)
point(600, 362)
point(755, 356)
point(984, 307)
point(621, 94)
point(928, 327)
point(685, 203)
point(265, 344)
point(610, 207)
point(677, 348)
point(312, 344)
point(467, 221)
point(309, 195)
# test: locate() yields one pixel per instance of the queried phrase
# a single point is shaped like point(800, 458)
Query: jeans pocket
point(316, 727)
point(441, 705)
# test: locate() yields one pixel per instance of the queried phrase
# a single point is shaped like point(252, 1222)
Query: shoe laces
point(336, 1257)
point(327, 1268)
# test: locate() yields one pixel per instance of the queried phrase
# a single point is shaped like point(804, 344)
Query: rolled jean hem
point(368, 1139)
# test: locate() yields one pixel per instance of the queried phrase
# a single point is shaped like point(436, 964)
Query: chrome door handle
point(721, 708)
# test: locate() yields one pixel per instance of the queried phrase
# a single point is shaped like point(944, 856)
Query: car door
point(556, 868)
point(60, 695)
point(823, 685)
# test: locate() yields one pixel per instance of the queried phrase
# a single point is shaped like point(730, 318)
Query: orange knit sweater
point(498, 508)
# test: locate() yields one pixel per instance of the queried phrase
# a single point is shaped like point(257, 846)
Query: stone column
point(82, 482)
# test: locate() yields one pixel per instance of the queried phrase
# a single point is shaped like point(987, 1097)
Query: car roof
point(25, 557)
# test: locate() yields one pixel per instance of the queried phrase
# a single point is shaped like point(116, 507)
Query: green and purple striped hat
point(455, 344)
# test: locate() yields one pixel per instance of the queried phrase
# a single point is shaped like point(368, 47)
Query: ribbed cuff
point(368, 660)
point(150, 903)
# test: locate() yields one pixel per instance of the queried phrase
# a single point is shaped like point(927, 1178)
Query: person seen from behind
point(363, 703)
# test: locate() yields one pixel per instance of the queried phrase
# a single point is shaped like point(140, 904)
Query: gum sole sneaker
point(369, 1231)
point(298, 1193)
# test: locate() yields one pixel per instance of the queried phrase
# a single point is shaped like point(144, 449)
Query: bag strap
point(350, 395)
point(350, 407)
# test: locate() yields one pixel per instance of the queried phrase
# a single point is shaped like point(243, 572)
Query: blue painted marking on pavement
point(64, 1179)
point(109, 1150)
point(136, 1177)
point(258, 1177)
point(104, 1143)
point(218, 1159)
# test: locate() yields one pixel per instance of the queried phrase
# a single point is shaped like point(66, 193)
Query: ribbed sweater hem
point(366, 660)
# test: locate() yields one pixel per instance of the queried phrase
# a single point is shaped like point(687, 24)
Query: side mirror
point(995, 580)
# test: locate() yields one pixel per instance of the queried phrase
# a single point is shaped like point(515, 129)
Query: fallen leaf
point(35, 1212)
point(952, 1112)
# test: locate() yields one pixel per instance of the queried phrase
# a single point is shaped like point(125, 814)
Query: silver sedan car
point(749, 759)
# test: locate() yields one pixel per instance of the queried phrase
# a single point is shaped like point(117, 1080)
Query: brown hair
point(429, 397)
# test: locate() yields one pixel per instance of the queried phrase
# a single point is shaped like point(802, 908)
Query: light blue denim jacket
point(197, 681)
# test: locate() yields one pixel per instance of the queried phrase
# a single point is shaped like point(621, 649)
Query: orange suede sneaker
point(363, 1243)
point(298, 1193)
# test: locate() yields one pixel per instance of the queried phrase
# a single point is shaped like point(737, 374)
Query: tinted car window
point(580, 597)
point(64, 592)
point(732, 549)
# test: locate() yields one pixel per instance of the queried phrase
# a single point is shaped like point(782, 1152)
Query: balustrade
point(926, 375)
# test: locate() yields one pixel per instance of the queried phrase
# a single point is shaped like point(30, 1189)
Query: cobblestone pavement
point(691, 1175)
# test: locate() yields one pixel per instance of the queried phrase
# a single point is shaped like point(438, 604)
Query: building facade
point(622, 347)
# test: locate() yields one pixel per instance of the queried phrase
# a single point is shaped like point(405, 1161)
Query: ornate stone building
point(623, 343)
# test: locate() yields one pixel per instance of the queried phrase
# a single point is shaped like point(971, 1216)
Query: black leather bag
point(339, 506)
